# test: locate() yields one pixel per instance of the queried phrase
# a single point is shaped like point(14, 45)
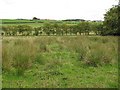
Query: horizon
point(55, 10)
point(46, 19)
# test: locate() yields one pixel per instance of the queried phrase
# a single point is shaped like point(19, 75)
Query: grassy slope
point(55, 62)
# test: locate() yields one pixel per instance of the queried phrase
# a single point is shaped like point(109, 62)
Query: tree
point(5, 29)
point(85, 28)
point(80, 28)
point(13, 30)
point(52, 29)
point(58, 30)
point(74, 29)
point(35, 18)
point(24, 29)
point(111, 21)
point(47, 28)
point(9, 30)
point(71, 29)
point(97, 28)
point(100, 28)
point(40, 30)
point(65, 28)
point(36, 31)
point(56, 27)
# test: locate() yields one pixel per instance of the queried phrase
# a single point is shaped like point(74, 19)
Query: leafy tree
point(85, 28)
point(9, 30)
point(80, 28)
point(71, 29)
point(111, 21)
point(36, 31)
point(35, 18)
point(13, 30)
point(24, 29)
point(96, 27)
point(47, 28)
point(58, 30)
point(40, 31)
point(5, 30)
point(52, 29)
point(55, 27)
point(74, 29)
point(100, 28)
point(65, 28)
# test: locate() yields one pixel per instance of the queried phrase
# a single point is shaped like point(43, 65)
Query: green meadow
point(60, 62)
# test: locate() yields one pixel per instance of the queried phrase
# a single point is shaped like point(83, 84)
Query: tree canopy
point(111, 23)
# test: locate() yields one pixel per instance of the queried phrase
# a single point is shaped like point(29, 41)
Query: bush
point(93, 58)
point(99, 55)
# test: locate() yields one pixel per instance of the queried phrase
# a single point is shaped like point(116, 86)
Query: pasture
point(60, 62)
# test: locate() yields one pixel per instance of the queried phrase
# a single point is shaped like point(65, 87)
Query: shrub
point(93, 57)
point(99, 55)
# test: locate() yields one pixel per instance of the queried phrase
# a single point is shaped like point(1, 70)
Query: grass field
point(19, 21)
point(29, 24)
point(37, 23)
point(60, 62)
point(13, 22)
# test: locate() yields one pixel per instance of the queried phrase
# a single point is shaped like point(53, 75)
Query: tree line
point(82, 28)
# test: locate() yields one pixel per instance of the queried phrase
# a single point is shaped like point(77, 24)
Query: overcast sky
point(55, 9)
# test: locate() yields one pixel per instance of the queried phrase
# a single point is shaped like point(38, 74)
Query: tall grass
point(22, 53)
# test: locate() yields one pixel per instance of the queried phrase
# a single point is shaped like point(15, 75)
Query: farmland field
point(60, 62)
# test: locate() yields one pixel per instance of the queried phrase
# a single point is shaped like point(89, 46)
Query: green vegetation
point(21, 21)
point(60, 62)
point(11, 21)
point(28, 24)
point(111, 21)
point(71, 53)
point(82, 28)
